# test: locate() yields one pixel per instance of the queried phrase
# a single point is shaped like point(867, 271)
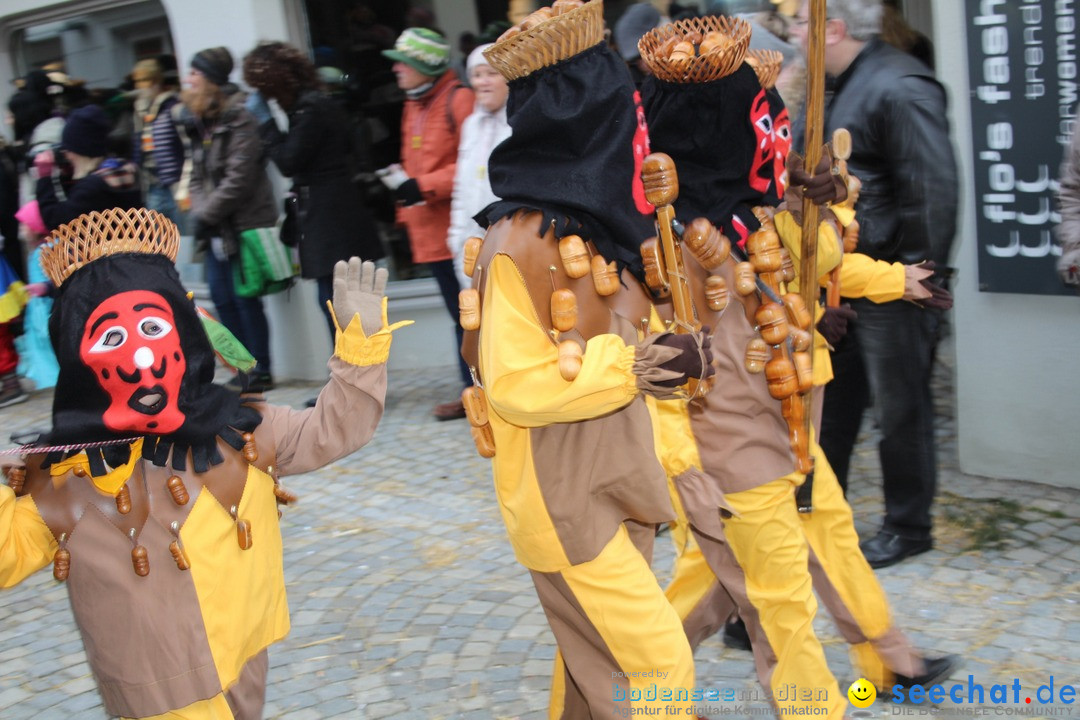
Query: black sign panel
point(1023, 70)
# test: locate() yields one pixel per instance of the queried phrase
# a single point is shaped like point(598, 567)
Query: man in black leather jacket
point(896, 112)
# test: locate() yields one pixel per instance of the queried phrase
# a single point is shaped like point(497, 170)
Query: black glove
point(689, 362)
point(408, 192)
point(940, 298)
point(833, 324)
point(821, 187)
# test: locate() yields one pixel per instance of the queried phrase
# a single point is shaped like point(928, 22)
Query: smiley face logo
point(862, 693)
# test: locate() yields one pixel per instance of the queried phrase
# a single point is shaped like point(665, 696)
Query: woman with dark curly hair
point(315, 153)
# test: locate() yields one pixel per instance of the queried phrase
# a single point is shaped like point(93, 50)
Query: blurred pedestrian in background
point(436, 107)
point(482, 131)
point(318, 153)
point(230, 192)
point(157, 148)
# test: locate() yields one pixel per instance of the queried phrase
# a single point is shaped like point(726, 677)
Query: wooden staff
point(661, 189)
point(815, 120)
point(841, 149)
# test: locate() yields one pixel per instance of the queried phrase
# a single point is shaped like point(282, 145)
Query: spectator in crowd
point(97, 181)
point(631, 27)
point(317, 153)
point(157, 149)
point(482, 131)
point(901, 151)
point(230, 192)
point(436, 107)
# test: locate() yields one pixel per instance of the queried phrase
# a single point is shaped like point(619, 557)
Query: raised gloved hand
point(824, 186)
point(693, 361)
point(833, 325)
point(256, 105)
point(44, 162)
point(359, 288)
point(1068, 267)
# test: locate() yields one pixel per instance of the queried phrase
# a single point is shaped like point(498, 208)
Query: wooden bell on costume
point(469, 308)
point(471, 251)
point(485, 440)
point(249, 452)
point(16, 478)
point(745, 279)
point(62, 560)
point(797, 312)
point(476, 410)
point(772, 323)
point(787, 266)
point(570, 355)
point(716, 293)
point(575, 256)
point(757, 354)
point(140, 558)
point(605, 278)
point(800, 339)
point(803, 371)
point(764, 249)
point(176, 550)
point(709, 246)
point(780, 375)
point(243, 530)
point(563, 310)
point(123, 500)
point(655, 270)
point(177, 490)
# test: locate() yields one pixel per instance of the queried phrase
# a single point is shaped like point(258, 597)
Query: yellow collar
point(109, 483)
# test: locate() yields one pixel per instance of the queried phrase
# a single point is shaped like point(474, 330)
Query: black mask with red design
point(575, 153)
point(721, 135)
point(135, 361)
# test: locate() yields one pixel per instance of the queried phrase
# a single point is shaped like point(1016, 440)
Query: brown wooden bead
point(485, 440)
point(250, 453)
point(800, 339)
point(243, 534)
point(797, 311)
point(780, 374)
point(851, 237)
point(123, 500)
point(757, 354)
point(772, 323)
point(764, 249)
point(475, 404)
point(471, 251)
point(709, 246)
point(787, 266)
point(79, 471)
point(563, 310)
point(16, 478)
point(605, 278)
point(284, 496)
point(61, 564)
point(745, 279)
point(655, 272)
point(803, 371)
point(716, 293)
point(469, 308)
point(179, 555)
point(570, 353)
point(575, 256)
point(177, 489)
point(140, 560)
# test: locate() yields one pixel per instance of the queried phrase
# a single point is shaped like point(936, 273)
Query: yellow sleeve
point(26, 543)
point(356, 348)
point(876, 280)
point(829, 249)
point(520, 363)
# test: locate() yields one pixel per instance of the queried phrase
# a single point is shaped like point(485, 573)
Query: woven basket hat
point(111, 232)
point(560, 37)
point(657, 45)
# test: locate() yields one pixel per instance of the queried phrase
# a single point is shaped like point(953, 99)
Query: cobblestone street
point(406, 601)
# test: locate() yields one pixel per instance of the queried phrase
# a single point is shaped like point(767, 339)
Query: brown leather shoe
point(449, 411)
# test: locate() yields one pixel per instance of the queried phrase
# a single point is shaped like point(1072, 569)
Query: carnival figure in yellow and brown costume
point(557, 340)
point(156, 494)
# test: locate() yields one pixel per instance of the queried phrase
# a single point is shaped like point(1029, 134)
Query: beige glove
point(913, 277)
point(359, 289)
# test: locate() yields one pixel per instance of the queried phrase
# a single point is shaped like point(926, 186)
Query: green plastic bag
point(262, 265)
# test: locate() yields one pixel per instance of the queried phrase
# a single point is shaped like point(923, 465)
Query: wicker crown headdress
point(766, 64)
point(696, 50)
point(112, 232)
point(547, 42)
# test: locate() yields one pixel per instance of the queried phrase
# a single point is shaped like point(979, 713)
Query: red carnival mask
point(761, 172)
point(782, 146)
point(131, 344)
point(641, 149)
